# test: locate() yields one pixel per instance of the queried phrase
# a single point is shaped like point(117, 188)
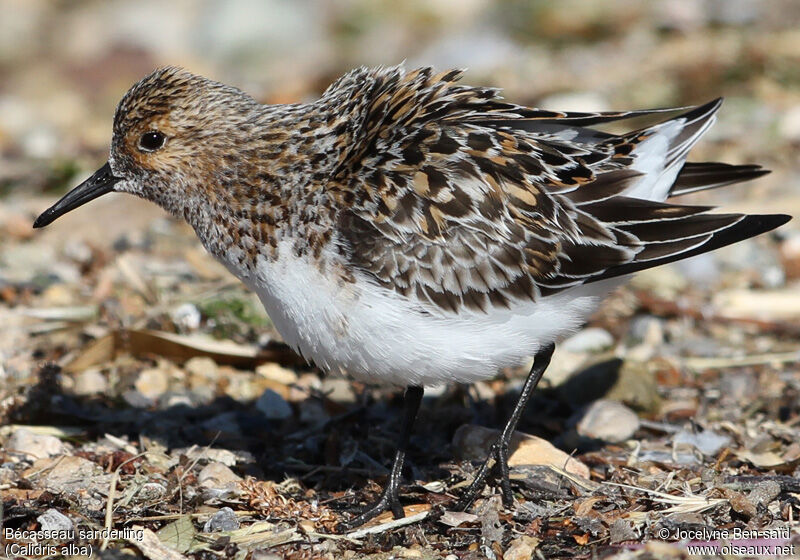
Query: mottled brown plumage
point(410, 229)
point(441, 192)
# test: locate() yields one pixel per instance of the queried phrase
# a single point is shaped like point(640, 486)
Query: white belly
point(376, 335)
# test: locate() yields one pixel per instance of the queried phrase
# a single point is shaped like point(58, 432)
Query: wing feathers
point(748, 226)
point(458, 200)
point(711, 175)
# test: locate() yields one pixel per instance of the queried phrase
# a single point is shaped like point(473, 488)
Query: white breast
point(377, 335)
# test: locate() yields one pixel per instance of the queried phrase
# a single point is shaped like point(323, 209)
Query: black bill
point(100, 183)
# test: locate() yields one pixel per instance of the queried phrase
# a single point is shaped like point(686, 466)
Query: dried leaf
point(179, 534)
point(151, 546)
point(457, 518)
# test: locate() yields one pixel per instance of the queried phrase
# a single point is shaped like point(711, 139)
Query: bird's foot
point(387, 502)
point(496, 461)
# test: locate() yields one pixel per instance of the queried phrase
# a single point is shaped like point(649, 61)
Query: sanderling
point(408, 229)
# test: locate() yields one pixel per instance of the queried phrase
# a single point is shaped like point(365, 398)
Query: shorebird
point(408, 229)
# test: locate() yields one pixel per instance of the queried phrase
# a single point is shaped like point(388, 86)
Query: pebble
point(150, 491)
point(588, 340)
point(70, 474)
point(790, 124)
point(790, 253)
point(90, 382)
point(186, 316)
point(765, 492)
point(622, 530)
point(54, 520)
point(338, 390)
point(217, 475)
point(646, 328)
point(224, 520)
point(521, 548)
point(152, 382)
point(576, 101)
point(224, 456)
point(276, 372)
point(273, 406)
point(33, 445)
point(202, 371)
point(312, 411)
point(631, 382)
point(609, 421)
point(708, 442)
point(239, 385)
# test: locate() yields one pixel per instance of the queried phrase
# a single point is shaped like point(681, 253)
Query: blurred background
point(65, 64)
point(159, 346)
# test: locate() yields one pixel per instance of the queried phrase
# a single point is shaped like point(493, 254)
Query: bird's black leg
point(498, 453)
point(388, 499)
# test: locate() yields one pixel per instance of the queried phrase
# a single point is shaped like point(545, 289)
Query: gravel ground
point(148, 406)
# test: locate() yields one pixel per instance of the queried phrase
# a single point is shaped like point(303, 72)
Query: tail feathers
point(659, 151)
point(741, 228)
point(711, 175)
point(695, 123)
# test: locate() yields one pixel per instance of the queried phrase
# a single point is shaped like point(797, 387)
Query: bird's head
point(174, 143)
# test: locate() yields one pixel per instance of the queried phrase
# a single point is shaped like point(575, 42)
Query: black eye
point(151, 141)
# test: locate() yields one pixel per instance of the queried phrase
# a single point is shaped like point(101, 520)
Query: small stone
point(54, 520)
point(152, 382)
point(521, 548)
point(609, 421)
point(273, 406)
point(646, 328)
point(581, 101)
point(239, 385)
point(203, 371)
point(312, 411)
point(763, 493)
point(69, 474)
point(631, 382)
point(265, 555)
point(224, 520)
point(790, 253)
point(790, 124)
point(135, 399)
point(664, 281)
point(276, 372)
point(217, 475)
point(90, 382)
point(150, 491)
point(307, 384)
point(708, 442)
point(170, 400)
point(33, 445)
point(740, 503)
point(225, 456)
point(338, 390)
point(621, 531)
point(588, 340)
point(186, 316)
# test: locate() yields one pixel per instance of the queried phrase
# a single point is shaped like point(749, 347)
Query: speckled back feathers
point(412, 182)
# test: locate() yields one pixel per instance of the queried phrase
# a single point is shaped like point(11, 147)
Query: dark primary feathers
point(458, 199)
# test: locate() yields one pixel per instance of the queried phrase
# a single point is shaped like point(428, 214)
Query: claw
point(497, 458)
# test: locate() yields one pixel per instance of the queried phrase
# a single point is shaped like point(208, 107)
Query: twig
point(389, 525)
point(666, 308)
point(172, 516)
point(751, 360)
point(112, 491)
